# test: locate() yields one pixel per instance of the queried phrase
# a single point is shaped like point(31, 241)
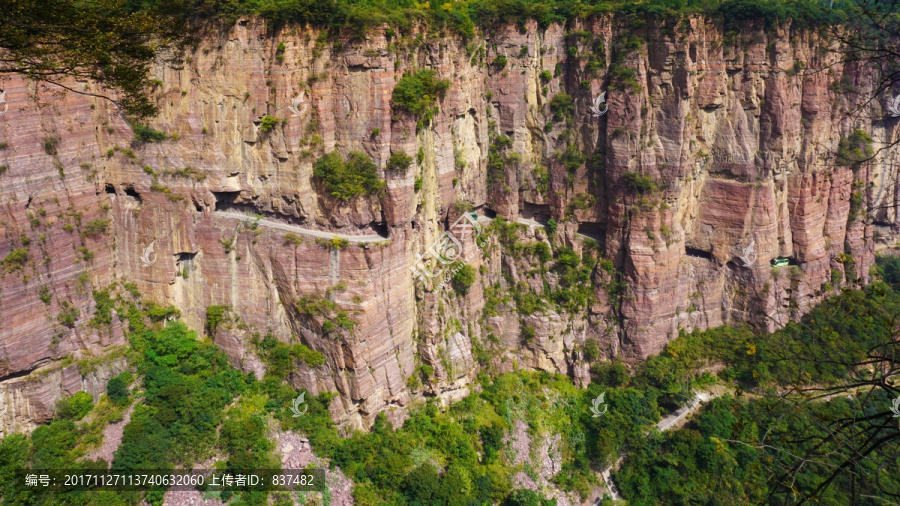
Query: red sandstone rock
point(738, 142)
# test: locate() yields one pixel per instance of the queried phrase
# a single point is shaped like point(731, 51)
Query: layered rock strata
point(715, 156)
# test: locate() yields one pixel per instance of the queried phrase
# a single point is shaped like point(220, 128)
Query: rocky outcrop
point(715, 149)
point(31, 400)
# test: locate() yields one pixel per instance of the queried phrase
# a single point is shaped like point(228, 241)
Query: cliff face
point(715, 156)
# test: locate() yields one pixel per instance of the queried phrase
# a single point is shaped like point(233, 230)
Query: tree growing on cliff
point(110, 42)
point(416, 93)
point(342, 180)
point(463, 279)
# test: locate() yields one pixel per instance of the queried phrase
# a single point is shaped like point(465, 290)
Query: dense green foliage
point(417, 92)
point(732, 453)
point(761, 448)
point(562, 105)
point(117, 388)
point(462, 17)
point(638, 183)
point(282, 358)
point(776, 447)
point(193, 405)
point(888, 268)
point(143, 133)
point(841, 330)
point(572, 290)
point(187, 386)
point(215, 315)
point(356, 177)
point(57, 445)
point(463, 279)
point(75, 407)
point(456, 457)
point(399, 161)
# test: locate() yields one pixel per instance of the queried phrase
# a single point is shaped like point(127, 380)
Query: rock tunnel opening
point(537, 212)
point(18, 374)
point(227, 204)
point(380, 228)
point(226, 200)
point(697, 253)
point(486, 211)
point(593, 230)
point(184, 263)
point(132, 193)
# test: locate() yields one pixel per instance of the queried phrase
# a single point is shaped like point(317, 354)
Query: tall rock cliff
point(716, 154)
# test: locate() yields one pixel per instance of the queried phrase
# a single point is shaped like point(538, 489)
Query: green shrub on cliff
point(307, 355)
point(641, 184)
point(96, 227)
point(399, 161)
point(280, 357)
point(342, 180)
point(214, 316)
point(417, 92)
point(267, 122)
point(562, 106)
point(75, 407)
point(854, 150)
point(15, 259)
point(117, 388)
point(463, 279)
point(622, 78)
point(143, 133)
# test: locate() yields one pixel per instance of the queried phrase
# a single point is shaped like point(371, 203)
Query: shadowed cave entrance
point(595, 231)
point(697, 253)
point(537, 212)
point(228, 202)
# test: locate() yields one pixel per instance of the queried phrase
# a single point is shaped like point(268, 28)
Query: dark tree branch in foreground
point(110, 42)
point(844, 350)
